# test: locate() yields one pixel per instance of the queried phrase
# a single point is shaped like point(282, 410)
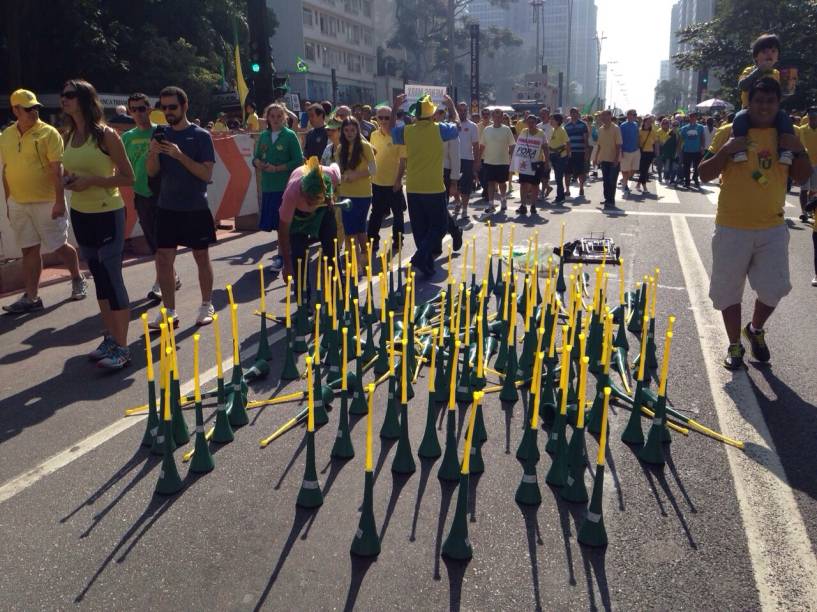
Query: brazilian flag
point(301, 65)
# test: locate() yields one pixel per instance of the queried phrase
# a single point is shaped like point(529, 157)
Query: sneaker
point(178, 281)
point(734, 357)
point(103, 349)
point(24, 304)
point(158, 320)
point(79, 288)
point(155, 293)
point(503, 206)
point(533, 209)
point(786, 158)
point(522, 210)
point(814, 282)
point(456, 239)
point(757, 342)
point(277, 263)
point(205, 316)
point(740, 156)
point(804, 218)
point(810, 206)
point(116, 359)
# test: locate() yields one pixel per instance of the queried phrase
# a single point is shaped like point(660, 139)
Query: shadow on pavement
point(360, 565)
point(534, 538)
point(425, 470)
point(456, 573)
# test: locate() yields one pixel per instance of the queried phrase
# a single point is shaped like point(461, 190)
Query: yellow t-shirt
point(808, 137)
point(609, 141)
point(558, 141)
point(26, 160)
point(647, 139)
point(387, 155)
point(89, 160)
point(520, 125)
point(362, 187)
point(744, 201)
point(219, 127)
point(744, 95)
point(496, 141)
point(253, 124)
point(662, 135)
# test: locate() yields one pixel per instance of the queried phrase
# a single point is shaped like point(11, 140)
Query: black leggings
point(644, 166)
point(101, 239)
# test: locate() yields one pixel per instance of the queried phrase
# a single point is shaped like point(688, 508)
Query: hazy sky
point(637, 39)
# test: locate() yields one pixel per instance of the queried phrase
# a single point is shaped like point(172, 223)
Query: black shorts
point(496, 173)
point(466, 184)
point(146, 212)
point(536, 177)
point(576, 164)
point(194, 229)
point(447, 179)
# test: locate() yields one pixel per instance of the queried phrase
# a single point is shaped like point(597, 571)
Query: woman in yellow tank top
point(96, 166)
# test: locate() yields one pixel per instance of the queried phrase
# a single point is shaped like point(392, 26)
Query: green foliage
point(667, 97)
point(724, 43)
point(122, 45)
point(422, 32)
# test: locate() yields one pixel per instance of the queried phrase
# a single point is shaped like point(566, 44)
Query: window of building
point(307, 18)
point(309, 51)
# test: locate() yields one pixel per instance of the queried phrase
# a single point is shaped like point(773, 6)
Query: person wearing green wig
point(308, 196)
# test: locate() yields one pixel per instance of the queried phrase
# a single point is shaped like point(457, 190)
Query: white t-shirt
point(469, 136)
point(497, 141)
point(546, 128)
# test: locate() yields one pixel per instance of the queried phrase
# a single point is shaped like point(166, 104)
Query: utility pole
point(537, 20)
point(473, 30)
point(599, 40)
point(451, 61)
point(569, 44)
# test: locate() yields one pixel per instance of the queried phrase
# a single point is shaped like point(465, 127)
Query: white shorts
point(32, 225)
point(810, 183)
point(761, 255)
point(630, 161)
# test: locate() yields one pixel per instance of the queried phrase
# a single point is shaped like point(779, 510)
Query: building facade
point(327, 34)
point(686, 13)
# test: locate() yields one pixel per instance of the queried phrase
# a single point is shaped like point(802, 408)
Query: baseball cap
point(24, 98)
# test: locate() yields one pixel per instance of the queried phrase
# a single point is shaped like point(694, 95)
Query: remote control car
point(593, 250)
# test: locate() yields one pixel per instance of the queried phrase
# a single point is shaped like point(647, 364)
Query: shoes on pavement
point(103, 349)
point(522, 210)
point(158, 320)
point(277, 263)
point(79, 288)
point(559, 200)
point(734, 357)
point(178, 281)
point(155, 293)
point(116, 359)
point(814, 282)
point(24, 304)
point(757, 343)
point(533, 208)
point(810, 206)
point(205, 315)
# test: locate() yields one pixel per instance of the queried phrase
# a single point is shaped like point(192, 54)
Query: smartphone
point(159, 135)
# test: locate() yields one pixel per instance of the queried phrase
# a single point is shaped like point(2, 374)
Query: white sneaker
point(178, 281)
point(206, 312)
point(158, 320)
point(155, 293)
point(814, 282)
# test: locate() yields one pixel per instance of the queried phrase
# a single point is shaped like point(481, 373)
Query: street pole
point(569, 43)
point(537, 20)
point(599, 40)
point(451, 46)
point(473, 30)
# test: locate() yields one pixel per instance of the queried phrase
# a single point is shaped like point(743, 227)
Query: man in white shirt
point(544, 125)
point(469, 151)
point(496, 145)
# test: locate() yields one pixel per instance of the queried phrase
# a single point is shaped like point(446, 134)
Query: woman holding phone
point(95, 167)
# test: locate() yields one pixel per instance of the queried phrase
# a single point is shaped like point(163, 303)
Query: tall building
point(327, 34)
point(584, 52)
point(603, 85)
point(663, 74)
point(686, 13)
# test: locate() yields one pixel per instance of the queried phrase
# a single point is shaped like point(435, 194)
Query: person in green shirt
point(277, 154)
point(136, 142)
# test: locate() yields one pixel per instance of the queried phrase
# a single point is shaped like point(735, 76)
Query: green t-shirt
point(286, 150)
point(136, 143)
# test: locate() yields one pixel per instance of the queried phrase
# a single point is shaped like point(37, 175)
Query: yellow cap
point(24, 98)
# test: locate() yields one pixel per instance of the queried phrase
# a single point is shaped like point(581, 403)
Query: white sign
point(414, 92)
point(526, 152)
point(293, 102)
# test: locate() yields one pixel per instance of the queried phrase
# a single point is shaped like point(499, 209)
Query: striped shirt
point(576, 131)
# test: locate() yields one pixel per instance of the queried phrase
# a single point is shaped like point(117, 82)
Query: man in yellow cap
point(425, 187)
point(31, 154)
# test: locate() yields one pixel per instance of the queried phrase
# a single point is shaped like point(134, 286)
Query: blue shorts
point(354, 219)
point(270, 206)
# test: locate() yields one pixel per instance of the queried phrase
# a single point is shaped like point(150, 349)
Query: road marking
point(20, 483)
point(780, 550)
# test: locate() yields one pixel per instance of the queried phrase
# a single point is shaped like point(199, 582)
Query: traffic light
point(255, 67)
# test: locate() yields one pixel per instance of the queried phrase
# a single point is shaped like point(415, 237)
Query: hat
point(424, 108)
point(333, 124)
point(314, 182)
point(24, 98)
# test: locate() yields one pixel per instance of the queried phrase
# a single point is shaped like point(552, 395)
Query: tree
point(723, 44)
point(121, 45)
point(668, 95)
point(422, 33)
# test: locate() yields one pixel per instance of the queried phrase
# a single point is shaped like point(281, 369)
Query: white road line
point(20, 483)
point(782, 558)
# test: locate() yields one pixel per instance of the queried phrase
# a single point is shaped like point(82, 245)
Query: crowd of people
point(335, 174)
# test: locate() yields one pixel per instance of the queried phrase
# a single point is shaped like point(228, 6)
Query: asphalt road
point(81, 527)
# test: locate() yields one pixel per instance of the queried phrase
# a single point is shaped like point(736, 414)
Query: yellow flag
point(240, 83)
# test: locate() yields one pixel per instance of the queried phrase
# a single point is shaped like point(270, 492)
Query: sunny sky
point(637, 39)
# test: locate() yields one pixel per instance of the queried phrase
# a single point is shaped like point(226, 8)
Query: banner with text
point(413, 92)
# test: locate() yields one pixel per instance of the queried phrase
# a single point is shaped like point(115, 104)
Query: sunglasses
point(138, 109)
point(29, 109)
point(69, 95)
point(170, 107)
point(383, 117)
